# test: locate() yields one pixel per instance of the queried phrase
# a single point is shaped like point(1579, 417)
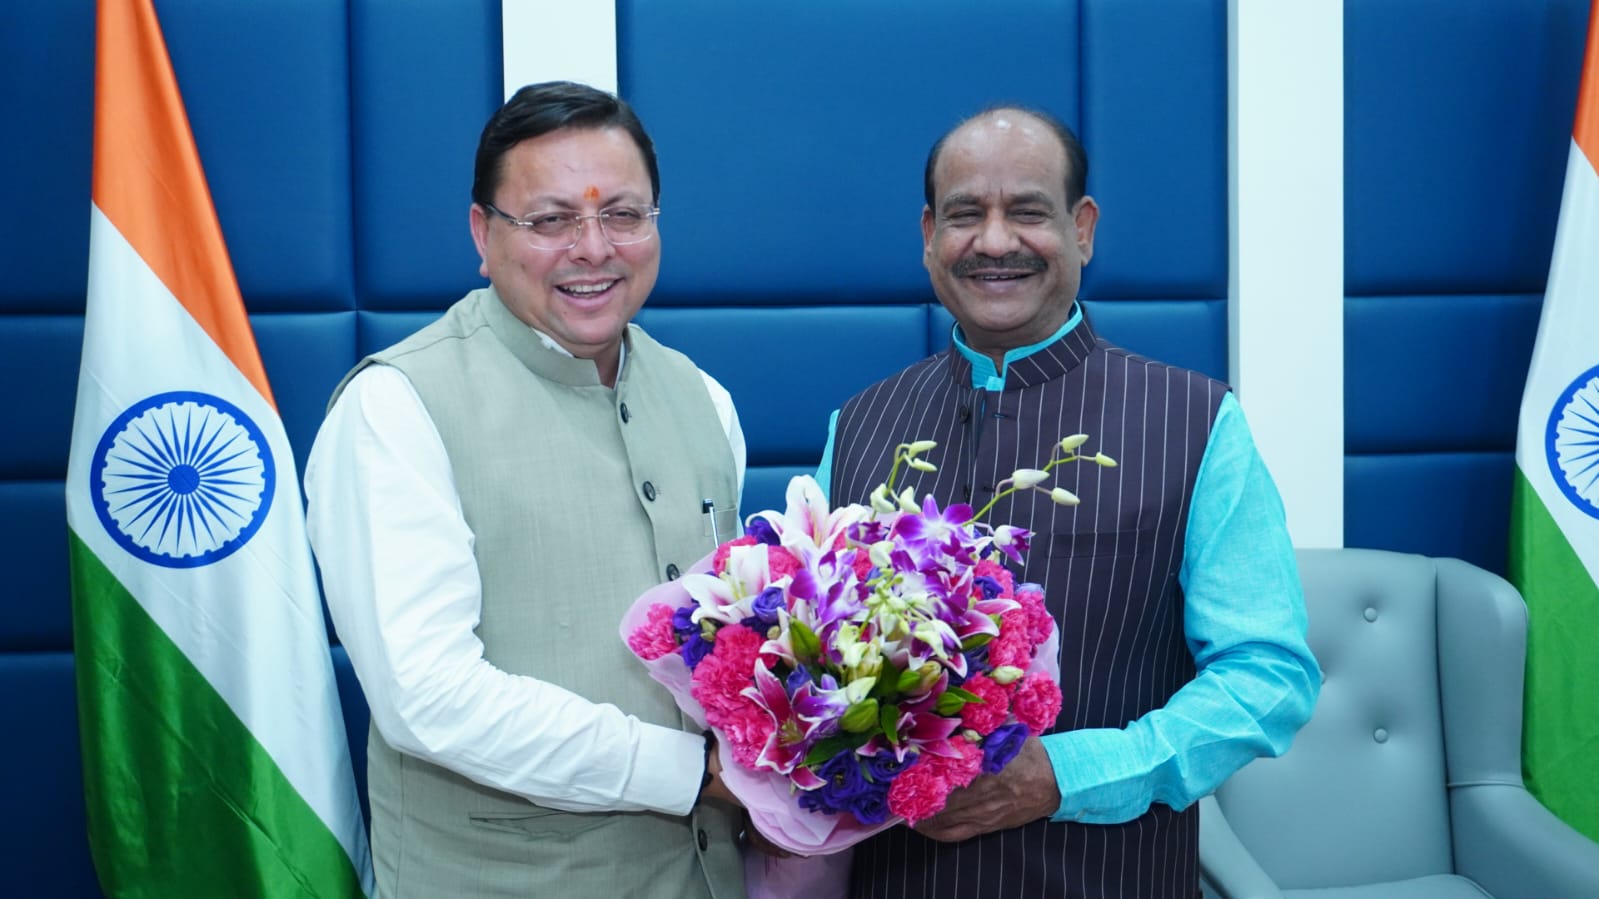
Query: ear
point(479, 223)
point(1086, 220)
point(928, 226)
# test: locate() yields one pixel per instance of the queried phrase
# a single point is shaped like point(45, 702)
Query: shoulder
point(909, 380)
point(1195, 389)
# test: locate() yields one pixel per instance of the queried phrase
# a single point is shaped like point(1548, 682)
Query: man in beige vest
point(488, 496)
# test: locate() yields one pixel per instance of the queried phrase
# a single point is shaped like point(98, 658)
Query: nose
point(591, 246)
point(995, 237)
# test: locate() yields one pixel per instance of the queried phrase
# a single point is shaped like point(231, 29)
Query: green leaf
point(889, 720)
point(966, 695)
point(976, 641)
point(806, 645)
point(826, 749)
point(861, 717)
point(949, 705)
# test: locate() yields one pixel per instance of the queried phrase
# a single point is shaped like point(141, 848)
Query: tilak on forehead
point(591, 193)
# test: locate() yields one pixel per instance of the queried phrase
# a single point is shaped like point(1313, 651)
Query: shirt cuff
point(667, 767)
point(1091, 792)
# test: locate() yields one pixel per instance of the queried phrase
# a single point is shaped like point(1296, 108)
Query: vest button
point(649, 491)
point(625, 416)
point(705, 841)
point(672, 573)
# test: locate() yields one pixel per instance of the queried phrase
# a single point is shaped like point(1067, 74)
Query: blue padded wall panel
point(792, 136)
point(305, 356)
point(37, 611)
point(1436, 504)
point(378, 330)
point(1187, 333)
point(39, 366)
point(766, 486)
point(1155, 128)
point(425, 76)
point(1457, 122)
point(788, 369)
point(1435, 373)
point(266, 85)
point(43, 847)
point(47, 67)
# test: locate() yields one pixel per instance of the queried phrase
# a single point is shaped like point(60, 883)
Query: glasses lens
point(627, 224)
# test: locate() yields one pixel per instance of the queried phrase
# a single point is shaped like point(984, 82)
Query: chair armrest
point(1224, 864)
point(1509, 843)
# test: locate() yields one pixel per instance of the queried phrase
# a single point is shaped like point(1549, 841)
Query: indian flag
point(214, 754)
point(1554, 529)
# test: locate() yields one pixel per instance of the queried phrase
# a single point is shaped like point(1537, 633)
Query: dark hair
point(539, 109)
point(1076, 156)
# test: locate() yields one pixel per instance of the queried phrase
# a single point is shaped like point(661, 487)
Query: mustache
point(971, 265)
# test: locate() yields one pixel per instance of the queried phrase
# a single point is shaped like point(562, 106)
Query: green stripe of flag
point(1560, 742)
point(172, 765)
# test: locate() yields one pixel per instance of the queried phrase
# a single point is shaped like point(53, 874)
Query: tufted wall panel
point(338, 138)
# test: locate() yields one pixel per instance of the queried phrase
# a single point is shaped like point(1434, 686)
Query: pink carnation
point(991, 568)
point(780, 562)
point(984, 716)
point(655, 637)
point(963, 767)
point(1014, 645)
point(1031, 596)
point(746, 729)
point(1036, 702)
point(862, 563)
point(919, 792)
point(728, 669)
point(719, 560)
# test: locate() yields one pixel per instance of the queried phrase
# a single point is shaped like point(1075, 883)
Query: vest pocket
point(1085, 544)
point(540, 822)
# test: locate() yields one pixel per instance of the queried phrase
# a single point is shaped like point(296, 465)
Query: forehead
point(606, 159)
point(1003, 152)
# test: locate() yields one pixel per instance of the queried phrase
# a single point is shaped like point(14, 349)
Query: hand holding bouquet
point(858, 664)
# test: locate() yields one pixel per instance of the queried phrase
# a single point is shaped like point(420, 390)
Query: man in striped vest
point(488, 496)
point(1183, 649)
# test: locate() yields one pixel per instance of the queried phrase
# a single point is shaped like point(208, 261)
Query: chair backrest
point(1360, 797)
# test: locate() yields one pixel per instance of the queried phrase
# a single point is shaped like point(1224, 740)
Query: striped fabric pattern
point(1109, 568)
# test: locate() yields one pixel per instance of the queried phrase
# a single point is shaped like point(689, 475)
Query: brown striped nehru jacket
point(1109, 570)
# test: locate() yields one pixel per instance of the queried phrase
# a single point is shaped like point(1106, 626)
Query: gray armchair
point(1406, 783)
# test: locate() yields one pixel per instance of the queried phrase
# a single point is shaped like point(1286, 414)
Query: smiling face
point(582, 297)
point(1003, 246)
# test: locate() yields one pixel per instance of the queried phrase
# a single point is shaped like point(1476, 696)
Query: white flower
point(1028, 477)
point(920, 446)
point(1106, 461)
point(1064, 497)
point(1070, 443)
point(922, 465)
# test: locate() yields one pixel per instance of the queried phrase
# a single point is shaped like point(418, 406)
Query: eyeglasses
point(561, 230)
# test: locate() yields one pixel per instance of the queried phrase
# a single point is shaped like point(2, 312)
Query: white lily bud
point(971, 736)
point(916, 448)
point(1028, 477)
point(1064, 497)
point(1106, 461)
point(1005, 674)
point(857, 690)
point(1070, 443)
point(907, 500)
point(882, 500)
point(879, 554)
point(922, 465)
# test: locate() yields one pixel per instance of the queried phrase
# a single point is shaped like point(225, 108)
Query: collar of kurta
point(1026, 366)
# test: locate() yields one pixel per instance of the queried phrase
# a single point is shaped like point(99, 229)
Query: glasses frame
point(526, 226)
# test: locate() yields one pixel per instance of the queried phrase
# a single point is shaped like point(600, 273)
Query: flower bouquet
point(858, 664)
